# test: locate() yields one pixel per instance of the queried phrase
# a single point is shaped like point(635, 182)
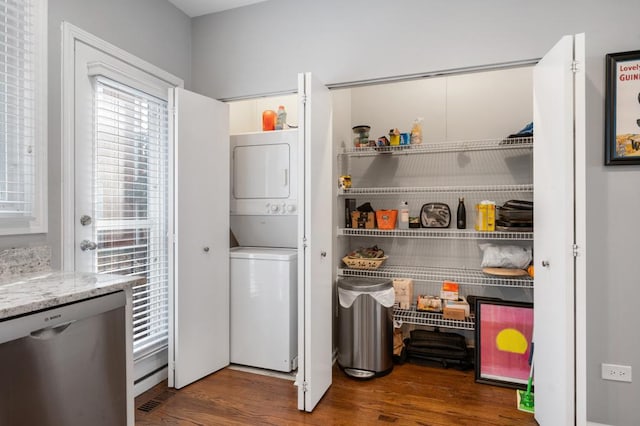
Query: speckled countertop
point(41, 290)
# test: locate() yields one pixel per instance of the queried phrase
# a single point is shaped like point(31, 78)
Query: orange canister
point(268, 120)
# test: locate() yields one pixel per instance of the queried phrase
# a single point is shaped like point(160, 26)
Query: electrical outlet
point(620, 373)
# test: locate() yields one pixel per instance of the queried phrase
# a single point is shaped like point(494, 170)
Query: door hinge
point(575, 250)
point(304, 242)
point(303, 98)
point(575, 66)
point(305, 386)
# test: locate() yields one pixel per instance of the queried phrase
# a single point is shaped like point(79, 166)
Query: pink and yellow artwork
point(505, 342)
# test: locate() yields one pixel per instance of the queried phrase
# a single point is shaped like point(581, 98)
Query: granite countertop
point(41, 290)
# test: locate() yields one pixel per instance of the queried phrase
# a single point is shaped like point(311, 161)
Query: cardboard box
point(455, 309)
point(403, 288)
point(429, 303)
point(449, 290)
point(491, 217)
point(363, 220)
point(485, 216)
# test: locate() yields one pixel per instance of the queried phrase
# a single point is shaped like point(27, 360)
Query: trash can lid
point(364, 284)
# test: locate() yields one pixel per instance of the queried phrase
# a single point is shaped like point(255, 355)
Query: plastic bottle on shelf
point(281, 121)
point(416, 131)
point(461, 216)
point(403, 215)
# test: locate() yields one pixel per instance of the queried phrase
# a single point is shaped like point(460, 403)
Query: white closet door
point(315, 233)
point(200, 302)
point(555, 86)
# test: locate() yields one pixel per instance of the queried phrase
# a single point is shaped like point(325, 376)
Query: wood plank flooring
point(410, 395)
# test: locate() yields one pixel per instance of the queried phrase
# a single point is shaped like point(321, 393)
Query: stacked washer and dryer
point(263, 268)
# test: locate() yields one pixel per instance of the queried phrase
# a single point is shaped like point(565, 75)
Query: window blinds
point(131, 202)
point(18, 89)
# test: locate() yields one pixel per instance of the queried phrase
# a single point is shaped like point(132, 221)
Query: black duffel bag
point(438, 348)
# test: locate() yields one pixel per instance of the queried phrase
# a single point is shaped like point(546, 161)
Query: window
point(130, 176)
point(23, 144)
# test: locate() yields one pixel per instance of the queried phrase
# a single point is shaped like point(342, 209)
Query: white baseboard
point(150, 381)
point(596, 424)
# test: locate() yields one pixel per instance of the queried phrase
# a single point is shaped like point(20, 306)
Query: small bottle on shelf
point(403, 215)
point(461, 217)
point(416, 131)
point(281, 120)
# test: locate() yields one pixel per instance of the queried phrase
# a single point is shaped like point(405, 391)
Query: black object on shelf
point(349, 207)
point(461, 216)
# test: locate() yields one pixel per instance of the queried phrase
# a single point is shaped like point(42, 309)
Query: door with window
point(121, 163)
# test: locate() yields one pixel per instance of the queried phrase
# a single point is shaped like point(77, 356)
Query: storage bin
point(386, 219)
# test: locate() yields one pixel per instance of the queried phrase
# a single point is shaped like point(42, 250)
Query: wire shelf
point(411, 316)
point(445, 233)
point(428, 148)
point(436, 190)
point(473, 277)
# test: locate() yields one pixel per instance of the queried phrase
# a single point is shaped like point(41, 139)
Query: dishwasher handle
point(50, 332)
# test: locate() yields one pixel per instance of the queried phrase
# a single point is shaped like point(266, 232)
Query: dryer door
point(261, 171)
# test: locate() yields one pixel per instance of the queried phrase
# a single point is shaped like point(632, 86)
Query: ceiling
point(195, 8)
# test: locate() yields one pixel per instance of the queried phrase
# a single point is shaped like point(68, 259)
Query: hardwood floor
point(410, 395)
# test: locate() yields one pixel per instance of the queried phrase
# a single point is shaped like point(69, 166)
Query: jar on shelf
point(361, 135)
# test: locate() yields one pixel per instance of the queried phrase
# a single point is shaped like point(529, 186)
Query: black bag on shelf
point(437, 348)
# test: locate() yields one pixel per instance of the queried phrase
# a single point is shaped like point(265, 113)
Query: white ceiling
point(195, 8)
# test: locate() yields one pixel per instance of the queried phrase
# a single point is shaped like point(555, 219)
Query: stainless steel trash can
point(365, 327)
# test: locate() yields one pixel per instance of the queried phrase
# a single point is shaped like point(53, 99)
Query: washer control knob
point(291, 208)
point(275, 208)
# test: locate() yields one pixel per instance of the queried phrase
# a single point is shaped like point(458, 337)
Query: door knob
point(85, 220)
point(545, 263)
point(87, 245)
point(323, 254)
point(206, 249)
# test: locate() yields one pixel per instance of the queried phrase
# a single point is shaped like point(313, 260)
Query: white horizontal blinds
point(131, 202)
point(18, 67)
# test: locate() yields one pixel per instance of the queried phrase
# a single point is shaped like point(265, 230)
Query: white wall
point(260, 48)
point(153, 30)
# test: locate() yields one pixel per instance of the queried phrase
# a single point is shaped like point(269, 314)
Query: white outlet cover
point(619, 373)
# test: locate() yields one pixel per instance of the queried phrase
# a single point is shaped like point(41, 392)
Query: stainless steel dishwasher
point(65, 366)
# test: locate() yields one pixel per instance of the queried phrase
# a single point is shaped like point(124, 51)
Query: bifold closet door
point(200, 298)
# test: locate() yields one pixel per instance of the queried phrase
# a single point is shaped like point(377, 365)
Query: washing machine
point(264, 305)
